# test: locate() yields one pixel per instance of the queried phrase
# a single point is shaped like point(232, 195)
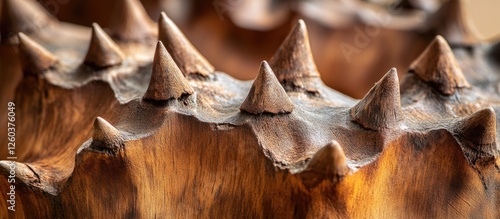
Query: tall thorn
point(293, 61)
point(102, 52)
point(185, 55)
point(131, 23)
point(451, 22)
point(34, 58)
point(26, 16)
point(381, 106)
point(167, 81)
point(106, 137)
point(266, 94)
point(329, 163)
point(438, 66)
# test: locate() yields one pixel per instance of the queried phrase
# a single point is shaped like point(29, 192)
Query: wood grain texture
point(154, 136)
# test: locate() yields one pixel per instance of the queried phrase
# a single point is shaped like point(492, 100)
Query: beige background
point(485, 16)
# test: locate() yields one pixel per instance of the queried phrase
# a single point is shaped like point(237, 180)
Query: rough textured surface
point(143, 139)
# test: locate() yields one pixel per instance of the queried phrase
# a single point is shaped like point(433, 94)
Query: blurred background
point(236, 35)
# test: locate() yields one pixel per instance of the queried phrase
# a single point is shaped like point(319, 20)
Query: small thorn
point(329, 163)
point(381, 106)
point(23, 16)
point(267, 95)
point(34, 58)
point(438, 66)
point(451, 22)
point(102, 52)
point(185, 55)
point(479, 128)
point(293, 61)
point(167, 81)
point(106, 137)
point(131, 23)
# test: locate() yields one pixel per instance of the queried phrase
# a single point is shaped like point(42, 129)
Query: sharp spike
point(381, 106)
point(294, 61)
point(479, 128)
point(438, 66)
point(329, 163)
point(23, 16)
point(130, 22)
point(167, 81)
point(105, 136)
point(267, 95)
point(102, 52)
point(451, 22)
point(34, 58)
point(185, 55)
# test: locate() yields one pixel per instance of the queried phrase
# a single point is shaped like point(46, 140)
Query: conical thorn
point(437, 65)
point(293, 61)
point(167, 82)
point(102, 52)
point(329, 163)
point(267, 95)
point(479, 128)
point(185, 55)
point(131, 23)
point(105, 137)
point(34, 58)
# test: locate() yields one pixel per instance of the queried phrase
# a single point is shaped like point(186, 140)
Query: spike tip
point(479, 128)
point(381, 106)
point(106, 137)
point(329, 163)
point(34, 58)
point(23, 16)
point(293, 61)
point(267, 95)
point(131, 23)
point(185, 55)
point(102, 52)
point(438, 66)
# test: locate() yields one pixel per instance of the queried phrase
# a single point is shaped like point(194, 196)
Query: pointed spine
point(267, 95)
point(34, 58)
point(479, 128)
point(23, 172)
point(293, 61)
point(105, 137)
point(437, 65)
point(381, 107)
point(23, 16)
point(102, 52)
point(131, 23)
point(185, 55)
point(451, 22)
point(167, 82)
point(329, 163)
